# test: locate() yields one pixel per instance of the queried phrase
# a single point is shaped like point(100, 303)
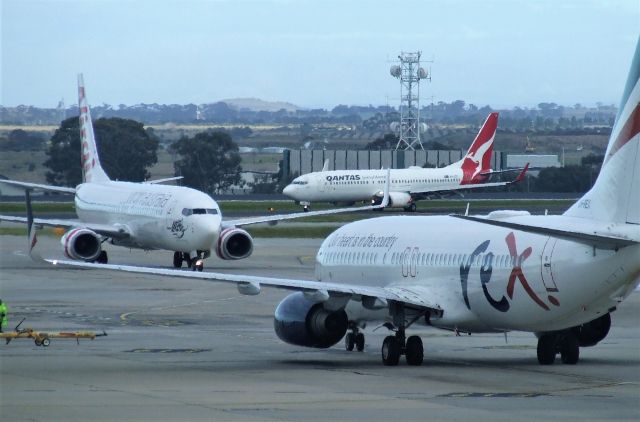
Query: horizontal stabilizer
point(593, 234)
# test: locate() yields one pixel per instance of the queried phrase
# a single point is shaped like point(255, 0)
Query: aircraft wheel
point(349, 342)
point(199, 265)
point(359, 342)
point(103, 258)
point(187, 260)
point(413, 207)
point(547, 349)
point(415, 351)
point(37, 342)
point(570, 349)
point(177, 260)
point(46, 342)
point(390, 351)
point(305, 208)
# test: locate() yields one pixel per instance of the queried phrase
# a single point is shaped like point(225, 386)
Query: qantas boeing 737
point(407, 185)
point(144, 215)
point(559, 277)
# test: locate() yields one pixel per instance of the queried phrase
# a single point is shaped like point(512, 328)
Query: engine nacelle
point(234, 243)
point(82, 244)
point(396, 199)
point(303, 322)
point(592, 332)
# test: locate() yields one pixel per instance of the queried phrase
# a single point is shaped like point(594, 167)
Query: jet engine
point(396, 199)
point(592, 332)
point(234, 243)
point(82, 244)
point(303, 322)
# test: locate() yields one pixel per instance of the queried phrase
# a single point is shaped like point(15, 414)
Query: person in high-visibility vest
point(3, 315)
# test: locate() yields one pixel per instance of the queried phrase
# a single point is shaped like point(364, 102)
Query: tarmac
point(184, 350)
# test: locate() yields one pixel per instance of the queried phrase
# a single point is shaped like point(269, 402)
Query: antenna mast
point(409, 73)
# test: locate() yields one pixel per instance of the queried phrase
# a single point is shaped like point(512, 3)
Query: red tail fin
point(478, 158)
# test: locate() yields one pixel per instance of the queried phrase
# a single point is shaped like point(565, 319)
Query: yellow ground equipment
point(42, 338)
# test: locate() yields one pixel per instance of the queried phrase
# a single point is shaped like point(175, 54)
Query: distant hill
point(256, 104)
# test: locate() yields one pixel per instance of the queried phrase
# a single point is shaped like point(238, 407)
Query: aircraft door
point(323, 184)
point(546, 265)
point(170, 214)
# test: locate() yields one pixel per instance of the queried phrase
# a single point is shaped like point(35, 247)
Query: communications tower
point(410, 73)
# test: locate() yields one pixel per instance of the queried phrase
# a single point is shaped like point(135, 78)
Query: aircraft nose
point(288, 190)
point(207, 230)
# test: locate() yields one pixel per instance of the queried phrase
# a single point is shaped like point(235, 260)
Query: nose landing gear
point(196, 263)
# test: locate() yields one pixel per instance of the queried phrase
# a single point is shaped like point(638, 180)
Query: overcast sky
point(315, 53)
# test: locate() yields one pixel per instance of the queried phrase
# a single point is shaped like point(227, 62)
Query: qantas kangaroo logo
point(516, 275)
point(478, 157)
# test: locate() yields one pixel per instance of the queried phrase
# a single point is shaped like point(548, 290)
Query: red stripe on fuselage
point(630, 129)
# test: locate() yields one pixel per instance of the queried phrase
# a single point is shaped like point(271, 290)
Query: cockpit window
point(189, 211)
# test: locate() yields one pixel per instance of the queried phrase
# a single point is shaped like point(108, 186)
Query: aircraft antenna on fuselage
point(91, 169)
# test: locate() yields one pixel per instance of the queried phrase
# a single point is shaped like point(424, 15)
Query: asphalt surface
point(195, 350)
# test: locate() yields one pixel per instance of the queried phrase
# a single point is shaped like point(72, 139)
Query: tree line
point(210, 161)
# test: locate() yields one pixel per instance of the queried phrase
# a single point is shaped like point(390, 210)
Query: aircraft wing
point(37, 186)
point(480, 185)
point(605, 235)
point(102, 229)
point(492, 172)
point(384, 294)
point(280, 217)
point(168, 179)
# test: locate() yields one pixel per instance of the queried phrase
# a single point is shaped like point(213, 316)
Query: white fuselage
point(485, 278)
point(157, 216)
point(362, 185)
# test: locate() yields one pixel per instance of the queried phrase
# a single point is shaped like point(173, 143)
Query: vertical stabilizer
point(477, 162)
point(615, 196)
point(91, 169)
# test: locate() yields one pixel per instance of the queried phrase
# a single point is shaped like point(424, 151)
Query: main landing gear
point(395, 346)
point(354, 339)
point(412, 207)
point(196, 263)
point(566, 343)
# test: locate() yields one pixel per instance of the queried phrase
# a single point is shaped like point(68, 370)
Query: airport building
point(306, 161)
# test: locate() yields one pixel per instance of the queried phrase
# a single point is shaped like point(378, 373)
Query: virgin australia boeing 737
point(407, 185)
point(144, 215)
point(559, 277)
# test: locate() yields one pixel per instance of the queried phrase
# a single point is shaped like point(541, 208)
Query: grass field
point(299, 231)
point(278, 206)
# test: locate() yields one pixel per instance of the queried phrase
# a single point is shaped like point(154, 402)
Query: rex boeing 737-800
point(407, 185)
point(559, 276)
point(144, 215)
